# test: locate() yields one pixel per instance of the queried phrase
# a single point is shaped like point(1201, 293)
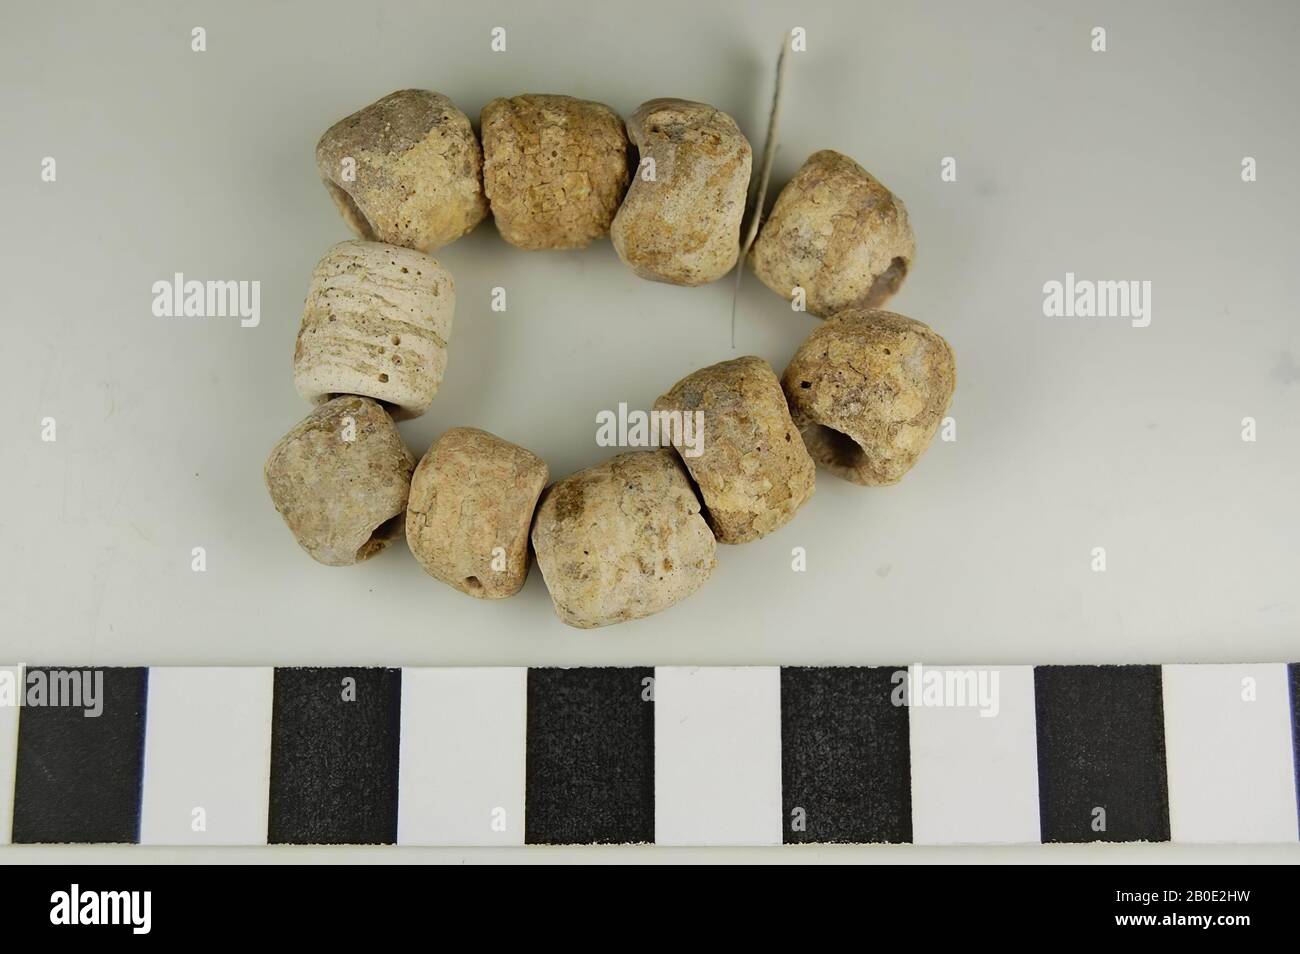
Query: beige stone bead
point(406, 170)
point(868, 389)
point(554, 169)
point(750, 466)
point(683, 226)
point(622, 540)
point(376, 322)
point(471, 506)
point(340, 480)
point(838, 234)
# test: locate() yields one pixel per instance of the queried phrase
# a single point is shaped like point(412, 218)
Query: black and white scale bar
point(667, 755)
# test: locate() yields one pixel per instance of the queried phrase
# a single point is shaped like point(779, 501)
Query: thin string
point(765, 173)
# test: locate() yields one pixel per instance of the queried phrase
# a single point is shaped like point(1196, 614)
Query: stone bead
point(622, 540)
point(406, 170)
point(471, 506)
point(683, 226)
point(752, 470)
point(838, 234)
point(376, 322)
point(340, 480)
point(554, 169)
point(868, 389)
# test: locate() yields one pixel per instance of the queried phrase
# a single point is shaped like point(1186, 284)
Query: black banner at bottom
point(333, 902)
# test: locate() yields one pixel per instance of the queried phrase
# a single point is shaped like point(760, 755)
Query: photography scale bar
point(666, 755)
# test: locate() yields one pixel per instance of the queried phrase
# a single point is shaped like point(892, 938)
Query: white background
point(1122, 165)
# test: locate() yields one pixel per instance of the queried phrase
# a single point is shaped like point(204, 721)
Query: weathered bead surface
point(868, 390)
point(683, 226)
point(376, 322)
point(752, 470)
point(622, 540)
point(554, 169)
point(340, 480)
point(838, 234)
point(471, 506)
point(405, 170)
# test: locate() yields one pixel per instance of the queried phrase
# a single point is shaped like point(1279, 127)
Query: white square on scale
point(461, 768)
point(207, 756)
point(975, 776)
point(718, 755)
point(11, 696)
point(1229, 753)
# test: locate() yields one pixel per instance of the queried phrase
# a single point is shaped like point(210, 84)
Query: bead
point(405, 170)
point(554, 169)
point(838, 234)
point(680, 220)
point(376, 322)
point(622, 540)
point(340, 480)
point(471, 506)
point(753, 472)
point(868, 390)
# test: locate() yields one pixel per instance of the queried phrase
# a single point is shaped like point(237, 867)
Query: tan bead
point(622, 540)
point(838, 234)
point(406, 170)
point(554, 169)
point(868, 389)
point(376, 322)
point(471, 505)
point(340, 480)
point(750, 466)
point(683, 226)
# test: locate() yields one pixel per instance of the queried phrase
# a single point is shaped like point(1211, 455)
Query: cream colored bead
point(622, 540)
point(376, 322)
point(554, 169)
point(405, 170)
point(751, 467)
point(340, 480)
point(868, 389)
point(838, 234)
point(683, 225)
point(471, 506)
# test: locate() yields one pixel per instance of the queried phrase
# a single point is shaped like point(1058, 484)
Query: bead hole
point(381, 536)
point(887, 283)
point(833, 448)
point(352, 214)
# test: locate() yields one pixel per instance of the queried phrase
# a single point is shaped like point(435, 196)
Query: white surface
point(1116, 165)
point(1231, 771)
point(207, 745)
point(462, 756)
point(718, 756)
point(974, 777)
point(9, 754)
